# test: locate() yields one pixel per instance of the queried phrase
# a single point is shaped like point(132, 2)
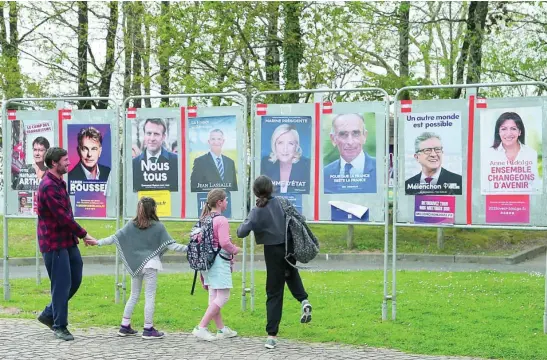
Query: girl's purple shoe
point(152, 334)
point(126, 331)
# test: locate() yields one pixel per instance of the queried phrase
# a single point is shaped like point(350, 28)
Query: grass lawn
point(22, 233)
point(482, 314)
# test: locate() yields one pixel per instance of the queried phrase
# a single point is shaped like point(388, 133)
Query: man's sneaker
point(203, 334)
point(152, 334)
point(47, 321)
point(226, 333)
point(271, 343)
point(126, 331)
point(306, 312)
point(63, 334)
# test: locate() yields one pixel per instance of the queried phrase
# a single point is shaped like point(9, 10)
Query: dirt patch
point(10, 310)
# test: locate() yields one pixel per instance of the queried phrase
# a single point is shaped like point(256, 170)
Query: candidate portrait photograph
point(511, 138)
point(89, 150)
point(155, 167)
point(214, 169)
point(354, 169)
point(285, 154)
point(429, 154)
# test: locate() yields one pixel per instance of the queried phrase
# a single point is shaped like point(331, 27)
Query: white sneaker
point(226, 333)
point(305, 317)
point(271, 343)
point(203, 334)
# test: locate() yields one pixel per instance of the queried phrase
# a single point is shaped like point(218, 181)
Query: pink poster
point(434, 209)
point(502, 209)
point(90, 204)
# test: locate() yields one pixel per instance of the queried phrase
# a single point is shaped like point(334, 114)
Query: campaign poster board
point(511, 151)
point(433, 153)
point(90, 154)
point(154, 153)
point(213, 153)
point(30, 141)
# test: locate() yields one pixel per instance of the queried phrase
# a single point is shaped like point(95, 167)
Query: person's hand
point(90, 240)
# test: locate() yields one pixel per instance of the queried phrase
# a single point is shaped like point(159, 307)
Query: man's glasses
point(428, 151)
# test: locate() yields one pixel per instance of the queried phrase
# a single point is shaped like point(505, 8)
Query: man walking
point(58, 235)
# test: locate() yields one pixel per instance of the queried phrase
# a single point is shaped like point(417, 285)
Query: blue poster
point(295, 200)
point(286, 153)
point(202, 199)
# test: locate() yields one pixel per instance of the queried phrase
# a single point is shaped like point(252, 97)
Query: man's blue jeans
point(64, 268)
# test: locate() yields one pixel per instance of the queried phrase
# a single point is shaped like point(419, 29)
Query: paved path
point(27, 339)
point(535, 265)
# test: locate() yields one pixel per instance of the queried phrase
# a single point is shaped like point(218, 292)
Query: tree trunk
point(109, 64)
point(10, 51)
point(272, 60)
point(472, 41)
point(82, 33)
point(404, 32)
point(146, 64)
point(292, 48)
point(475, 47)
point(138, 46)
point(128, 47)
point(164, 51)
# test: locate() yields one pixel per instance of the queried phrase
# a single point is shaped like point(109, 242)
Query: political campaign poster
point(286, 153)
point(202, 199)
point(434, 209)
point(26, 203)
point(433, 153)
point(162, 199)
point(89, 148)
point(503, 209)
point(30, 140)
point(213, 155)
point(89, 204)
point(349, 153)
point(154, 153)
point(511, 151)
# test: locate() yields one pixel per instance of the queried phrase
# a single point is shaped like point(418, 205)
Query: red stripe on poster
point(469, 205)
point(317, 152)
point(182, 151)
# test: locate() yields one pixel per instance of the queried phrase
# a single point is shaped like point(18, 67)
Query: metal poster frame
point(19, 102)
point(183, 99)
point(472, 107)
point(319, 95)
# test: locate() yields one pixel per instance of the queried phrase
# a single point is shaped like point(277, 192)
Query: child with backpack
point(218, 277)
point(142, 242)
point(268, 222)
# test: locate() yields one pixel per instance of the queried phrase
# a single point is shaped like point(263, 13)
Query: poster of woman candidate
point(285, 153)
point(511, 153)
point(90, 153)
point(349, 153)
point(154, 152)
point(433, 153)
point(30, 140)
point(213, 153)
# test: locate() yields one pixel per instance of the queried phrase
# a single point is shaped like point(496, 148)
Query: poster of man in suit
point(155, 167)
point(433, 153)
point(31, 140)
point(90, 155)
point(349, 154)
point(213, 153)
